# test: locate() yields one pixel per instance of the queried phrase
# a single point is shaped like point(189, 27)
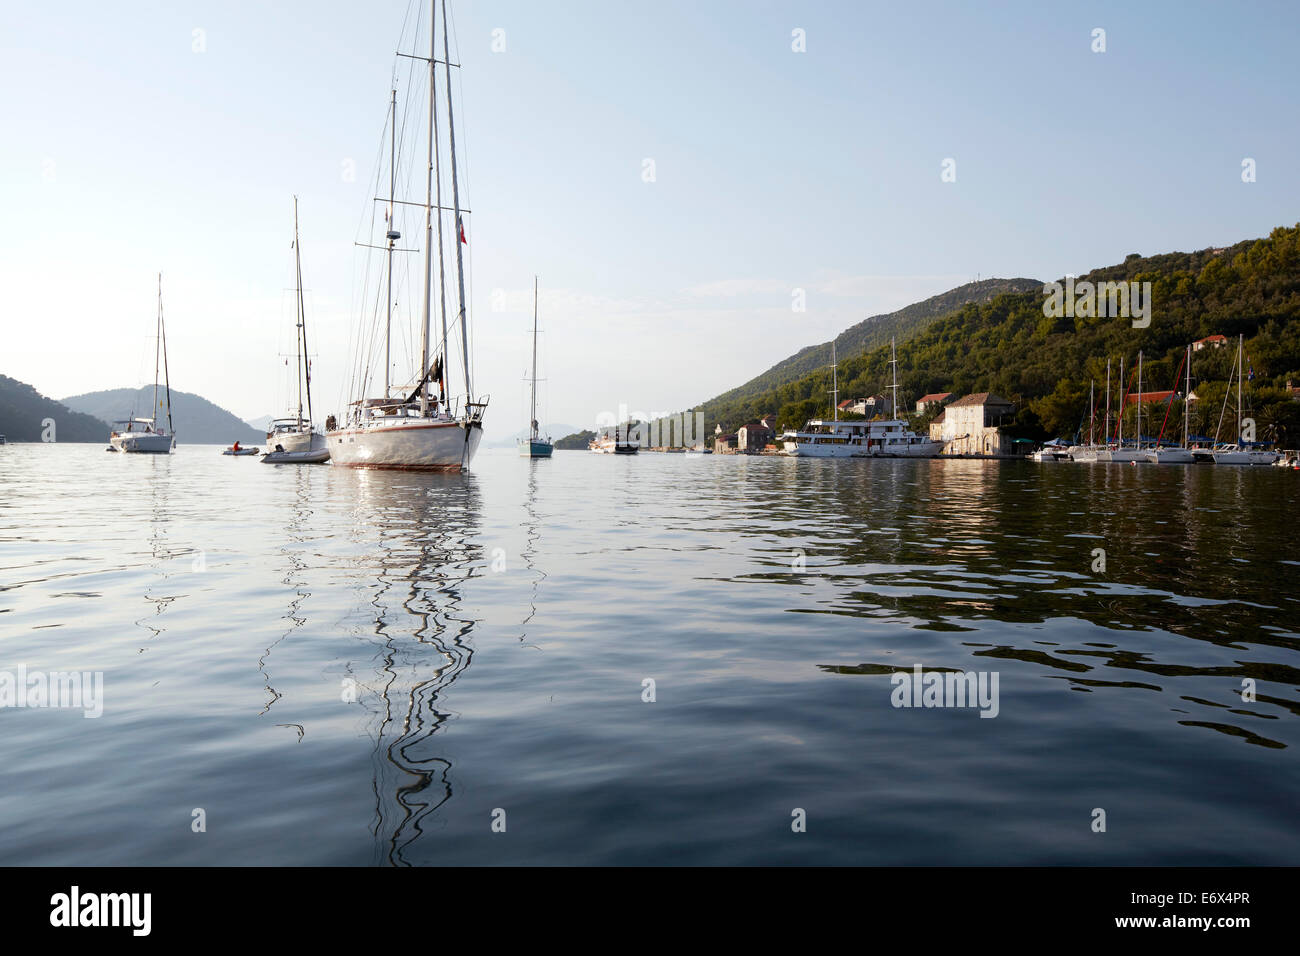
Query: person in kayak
point(235, 447)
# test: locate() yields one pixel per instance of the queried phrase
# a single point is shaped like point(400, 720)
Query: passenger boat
point(880, 439)
point(412, 427)
point(147, 436)
point(820, 438)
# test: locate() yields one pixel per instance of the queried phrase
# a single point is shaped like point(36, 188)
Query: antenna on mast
point(893, 362)
point(835, 384)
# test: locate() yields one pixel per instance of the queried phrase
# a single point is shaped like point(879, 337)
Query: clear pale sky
point(126, 151)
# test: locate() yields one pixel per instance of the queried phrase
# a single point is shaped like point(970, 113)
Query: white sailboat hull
point(1245, 457)
point(1170, 456)
point(1120, 455)
point(295, 441)
point(419, 445)
point(143, 444)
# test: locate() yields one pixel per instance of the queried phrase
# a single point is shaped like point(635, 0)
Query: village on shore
point(976, 425)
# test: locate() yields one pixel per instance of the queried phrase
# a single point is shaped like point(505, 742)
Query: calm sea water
point(343, 667)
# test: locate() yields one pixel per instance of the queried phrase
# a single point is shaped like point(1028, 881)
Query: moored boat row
point(1192, 450)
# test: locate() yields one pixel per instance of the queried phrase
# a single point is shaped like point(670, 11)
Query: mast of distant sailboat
point(532, 416)
point(167, 379)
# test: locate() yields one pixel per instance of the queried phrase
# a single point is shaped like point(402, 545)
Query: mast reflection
point(421, 551)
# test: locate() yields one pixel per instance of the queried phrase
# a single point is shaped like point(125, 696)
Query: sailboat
point(534, 446)
point(147, 435)
point(293, 439)
point(1176, 454)
point(1117, 451)
point(1086, 452)
point(1239, 453)
point(415, 429)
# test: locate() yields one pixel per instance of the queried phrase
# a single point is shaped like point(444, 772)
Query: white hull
point(420, 445)
point(295, 441)
point(921, 449)
point(1170, 456)
point(1120, 455)
point(1245, 457)
point(859, 439)
point(308, 457)
point(143, 444)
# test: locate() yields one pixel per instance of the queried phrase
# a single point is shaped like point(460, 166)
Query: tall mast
point(1092, 410)
point(167, 378)
point(1120, 437)
point(157, 344)
point(455, 202)
point(893, 363)
point(393, 236)
point(533, 417)
point(1187, 390)
point(1239, 347)
point(1139, 435)
point(1106, 431)
point(304, 359)
point(442, 262)
point(428, 217)
point(297, 260)
point(835, 385)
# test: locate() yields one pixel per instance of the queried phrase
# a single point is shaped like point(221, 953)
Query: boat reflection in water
point(415, 551)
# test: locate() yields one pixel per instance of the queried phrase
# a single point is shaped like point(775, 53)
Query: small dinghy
point(237, 450)
point(311, 456)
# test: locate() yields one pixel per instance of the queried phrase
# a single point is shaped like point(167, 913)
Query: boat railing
point(474, 411)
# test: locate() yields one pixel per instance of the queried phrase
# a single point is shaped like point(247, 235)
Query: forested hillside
point(23, 412)
point(1010, 347)
point(867, 334)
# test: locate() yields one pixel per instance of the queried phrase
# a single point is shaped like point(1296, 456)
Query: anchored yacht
point(147, 436)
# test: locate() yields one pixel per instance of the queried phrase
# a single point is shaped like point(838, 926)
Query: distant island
point(578, 441)
point(196, 420)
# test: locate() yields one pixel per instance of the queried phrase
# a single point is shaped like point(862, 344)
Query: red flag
point(462, 231)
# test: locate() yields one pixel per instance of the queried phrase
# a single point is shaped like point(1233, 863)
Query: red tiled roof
point(1211, 338)
point(978, 398)
point(935, 397)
